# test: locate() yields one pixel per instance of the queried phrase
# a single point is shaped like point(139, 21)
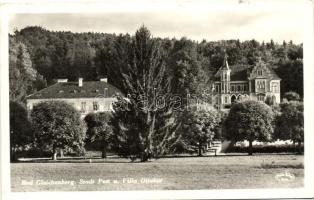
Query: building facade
point(244, 82)
point(86, 97)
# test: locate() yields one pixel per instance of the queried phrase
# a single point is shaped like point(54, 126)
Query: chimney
point(64, 80)
point(80, 82)
point(104, 80)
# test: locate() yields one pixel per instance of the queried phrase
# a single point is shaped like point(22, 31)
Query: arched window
point(233, 98)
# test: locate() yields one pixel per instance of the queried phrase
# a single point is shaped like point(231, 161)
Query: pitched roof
point(273, 74)
point(237, 72)
point(89, 89)
point(241, 73)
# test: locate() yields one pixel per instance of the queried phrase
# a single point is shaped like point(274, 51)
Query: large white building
point(239, 82)
point(85, 96)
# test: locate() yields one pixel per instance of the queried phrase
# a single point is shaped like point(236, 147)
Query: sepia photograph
point(170, 98)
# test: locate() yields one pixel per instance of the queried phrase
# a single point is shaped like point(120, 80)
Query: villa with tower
point(244, 82)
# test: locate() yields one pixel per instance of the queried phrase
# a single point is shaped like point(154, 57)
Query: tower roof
point(225, 62)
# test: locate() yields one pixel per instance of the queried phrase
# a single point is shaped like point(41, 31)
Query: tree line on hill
point(142, 130)
point(39, 56)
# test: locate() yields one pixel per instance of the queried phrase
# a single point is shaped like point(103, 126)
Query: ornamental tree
point(199, 124)
point(99, 130)
point(249, 120)
point(57, 126)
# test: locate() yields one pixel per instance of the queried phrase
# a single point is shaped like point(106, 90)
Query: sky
point(212, 25)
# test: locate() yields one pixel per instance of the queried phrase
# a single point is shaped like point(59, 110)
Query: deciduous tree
point(99, 130)
point(57, 125)
point(199, 125)
point(249, 120)
point(21, 72)
point(290, 124)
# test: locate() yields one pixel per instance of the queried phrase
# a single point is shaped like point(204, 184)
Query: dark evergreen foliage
point(93, 55)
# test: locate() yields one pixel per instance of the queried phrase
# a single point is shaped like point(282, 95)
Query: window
point(244, 87)
point(260, 97)
point(261, 84)
point(217, 88)
point(83, 106)
point(226, 99)
point(239, 88)
point(274, 87)
point(232, 87)
point(260, 72)
point(95, 106)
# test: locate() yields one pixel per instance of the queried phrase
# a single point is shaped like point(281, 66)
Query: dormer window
point(260, 72)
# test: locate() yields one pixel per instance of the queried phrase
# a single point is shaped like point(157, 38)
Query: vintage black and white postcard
point(156, 99)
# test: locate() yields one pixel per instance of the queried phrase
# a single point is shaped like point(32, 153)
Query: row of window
point(95, 106)
point(261, 84)
point(260, 72)
point(234, 88)
point(260, 97)
point(238, 88)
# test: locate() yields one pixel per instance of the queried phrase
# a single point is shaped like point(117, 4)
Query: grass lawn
point(221, 172)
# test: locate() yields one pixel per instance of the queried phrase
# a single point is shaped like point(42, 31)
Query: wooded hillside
point(39, 56)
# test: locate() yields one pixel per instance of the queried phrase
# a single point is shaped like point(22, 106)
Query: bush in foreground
point(264, 149)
